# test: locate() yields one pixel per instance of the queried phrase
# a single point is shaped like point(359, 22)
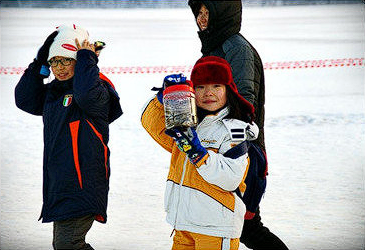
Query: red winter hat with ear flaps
point(216, 70)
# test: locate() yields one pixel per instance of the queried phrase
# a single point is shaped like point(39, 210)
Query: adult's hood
point(224, 21)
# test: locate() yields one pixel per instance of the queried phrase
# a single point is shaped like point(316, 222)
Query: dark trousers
point(70, 234)
point(258, 237)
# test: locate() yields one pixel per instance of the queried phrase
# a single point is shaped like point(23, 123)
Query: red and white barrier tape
point(307, 64)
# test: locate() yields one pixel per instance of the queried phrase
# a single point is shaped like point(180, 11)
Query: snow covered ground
point(315, 124)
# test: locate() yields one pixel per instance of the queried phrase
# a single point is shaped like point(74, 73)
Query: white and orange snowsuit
point(204, 198)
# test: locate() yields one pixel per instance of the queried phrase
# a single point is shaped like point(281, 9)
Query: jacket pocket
point(74, 129)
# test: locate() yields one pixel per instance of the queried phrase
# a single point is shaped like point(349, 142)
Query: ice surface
point(315, 124)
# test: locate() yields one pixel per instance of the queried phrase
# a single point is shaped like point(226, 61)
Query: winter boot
point(258, 237)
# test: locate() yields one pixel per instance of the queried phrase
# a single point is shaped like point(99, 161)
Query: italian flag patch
point(67, 100)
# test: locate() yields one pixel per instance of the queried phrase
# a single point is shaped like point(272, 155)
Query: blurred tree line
point(152, 3)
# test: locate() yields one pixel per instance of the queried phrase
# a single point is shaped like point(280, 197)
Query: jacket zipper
point(180, 185)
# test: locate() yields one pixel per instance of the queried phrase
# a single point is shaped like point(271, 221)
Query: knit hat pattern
point(64, 43)
point(216, 70)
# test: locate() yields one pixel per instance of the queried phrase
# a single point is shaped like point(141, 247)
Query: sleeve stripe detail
point(236, 136)
point(237, 151)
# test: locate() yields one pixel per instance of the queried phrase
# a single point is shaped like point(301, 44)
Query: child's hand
point(169, 80)
point(174, 79)
point(189, 143)
point(43, 53)
point(85, 45)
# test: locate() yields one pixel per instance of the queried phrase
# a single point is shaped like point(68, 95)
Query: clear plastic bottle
point(180, 107)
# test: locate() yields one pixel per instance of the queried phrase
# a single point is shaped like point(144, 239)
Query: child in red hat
point(205, 184)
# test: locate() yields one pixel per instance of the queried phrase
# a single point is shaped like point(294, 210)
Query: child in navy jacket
point(77, 108)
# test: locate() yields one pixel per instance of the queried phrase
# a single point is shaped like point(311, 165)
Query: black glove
point(43, 53)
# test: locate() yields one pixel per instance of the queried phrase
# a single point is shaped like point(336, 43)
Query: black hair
point(236, 110)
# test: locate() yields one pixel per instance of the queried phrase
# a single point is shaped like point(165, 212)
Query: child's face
point(210, 97)
point(63, 68)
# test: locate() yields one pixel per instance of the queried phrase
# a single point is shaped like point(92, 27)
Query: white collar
point(209, 119)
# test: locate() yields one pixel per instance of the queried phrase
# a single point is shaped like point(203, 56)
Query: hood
point(224, 21)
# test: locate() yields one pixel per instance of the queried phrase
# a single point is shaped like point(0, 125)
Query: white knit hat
point(64, 43)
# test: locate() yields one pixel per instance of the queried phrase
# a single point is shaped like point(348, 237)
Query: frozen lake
point(315, 124)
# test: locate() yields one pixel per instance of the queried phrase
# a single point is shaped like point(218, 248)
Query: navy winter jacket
point(76, 116)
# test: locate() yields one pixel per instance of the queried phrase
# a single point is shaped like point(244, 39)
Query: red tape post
point(305, 64)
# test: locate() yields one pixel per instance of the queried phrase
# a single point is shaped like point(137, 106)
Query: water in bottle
point(180, 107)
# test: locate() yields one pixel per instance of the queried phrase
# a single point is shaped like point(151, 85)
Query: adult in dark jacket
point(219, 25)
point(77, 108)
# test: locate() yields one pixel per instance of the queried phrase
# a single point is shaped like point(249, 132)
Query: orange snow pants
point(184, 240)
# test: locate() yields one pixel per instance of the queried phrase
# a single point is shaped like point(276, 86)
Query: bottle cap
point(178, 87)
